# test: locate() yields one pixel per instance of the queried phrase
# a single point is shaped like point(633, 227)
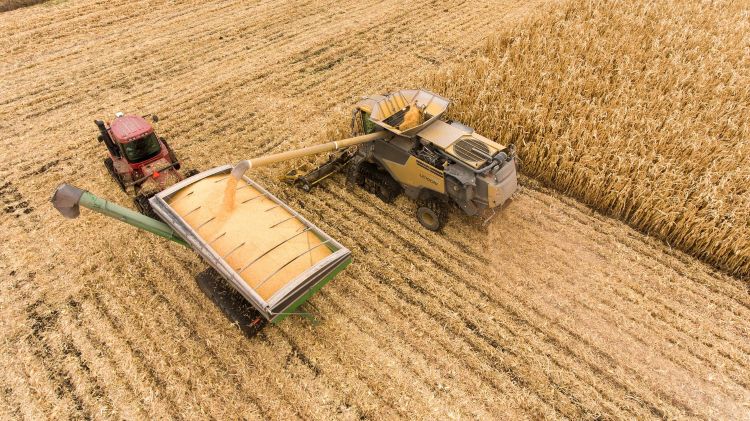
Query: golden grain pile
point(639, 109)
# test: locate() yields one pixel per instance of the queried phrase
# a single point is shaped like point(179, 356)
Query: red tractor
point(142, 163)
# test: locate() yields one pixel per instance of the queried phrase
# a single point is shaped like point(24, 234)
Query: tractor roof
point(129, 127)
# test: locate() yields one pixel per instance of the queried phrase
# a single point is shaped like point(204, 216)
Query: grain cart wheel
point(234, 306)
point(141, 202)
point(111, 170)
point(432, 214)
point(190, 173)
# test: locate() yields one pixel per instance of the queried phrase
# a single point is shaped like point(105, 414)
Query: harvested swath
point(639, 109)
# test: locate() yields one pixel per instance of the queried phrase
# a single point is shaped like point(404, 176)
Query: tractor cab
point(130, 137)
point(135, 138)
point(141, 162)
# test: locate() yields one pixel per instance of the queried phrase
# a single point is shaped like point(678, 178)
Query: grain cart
point(268, 253)
point(139, 161)
point(414, 151)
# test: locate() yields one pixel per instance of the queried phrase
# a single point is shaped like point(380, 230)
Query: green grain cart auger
point(68, 200)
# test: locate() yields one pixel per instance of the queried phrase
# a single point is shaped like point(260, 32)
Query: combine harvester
point(275, 258)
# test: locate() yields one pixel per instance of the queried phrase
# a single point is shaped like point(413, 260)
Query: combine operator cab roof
point(388, 111)
point(129, 127)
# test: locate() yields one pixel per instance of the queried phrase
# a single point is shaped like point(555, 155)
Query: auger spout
point(68, 199)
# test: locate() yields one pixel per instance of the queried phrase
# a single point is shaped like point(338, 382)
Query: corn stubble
point(101, 321)
point(639, 109)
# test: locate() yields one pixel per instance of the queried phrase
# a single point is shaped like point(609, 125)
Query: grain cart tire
point(141, 202)
point(432, 214)
point(111, 170)
point(190, 173)
point(235, 308)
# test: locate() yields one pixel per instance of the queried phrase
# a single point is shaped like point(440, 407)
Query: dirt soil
point(551, 311)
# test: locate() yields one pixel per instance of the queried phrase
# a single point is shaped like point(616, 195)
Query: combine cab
point(140, 162)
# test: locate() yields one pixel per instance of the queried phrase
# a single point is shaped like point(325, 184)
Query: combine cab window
point(368, 125)
point(142, 149)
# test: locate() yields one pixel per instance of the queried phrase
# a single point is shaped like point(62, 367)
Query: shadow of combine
point(232, 304)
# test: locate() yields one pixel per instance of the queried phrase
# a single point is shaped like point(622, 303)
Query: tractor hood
point(129, 127)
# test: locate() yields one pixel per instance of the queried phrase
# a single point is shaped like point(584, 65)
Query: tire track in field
point(180, 298)
point(136, 320)
point(484, 295)
point(239, 350)
point(405, 294)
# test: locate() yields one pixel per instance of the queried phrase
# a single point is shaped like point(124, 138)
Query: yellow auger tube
point(243, 166)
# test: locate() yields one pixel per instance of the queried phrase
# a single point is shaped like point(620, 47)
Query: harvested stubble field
point(581, 317)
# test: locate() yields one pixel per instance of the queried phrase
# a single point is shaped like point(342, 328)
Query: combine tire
point(375, 181)
point(111, 170)
point(141, 202)
point(432, 214)
point(354, 173)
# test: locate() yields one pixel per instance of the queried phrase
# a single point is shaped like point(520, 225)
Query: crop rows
point(638, 109)
point(543, 313)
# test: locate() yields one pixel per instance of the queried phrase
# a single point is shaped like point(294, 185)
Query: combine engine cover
point(483, 173)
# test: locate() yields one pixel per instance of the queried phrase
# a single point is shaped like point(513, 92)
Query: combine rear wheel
point(111, 170)
point(432, 214)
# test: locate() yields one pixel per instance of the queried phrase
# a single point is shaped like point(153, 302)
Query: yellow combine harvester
point(403, 145)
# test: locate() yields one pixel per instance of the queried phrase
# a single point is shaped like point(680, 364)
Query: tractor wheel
point(172, 155)
point(432, 214)
point(141, 202)
point(111, 170)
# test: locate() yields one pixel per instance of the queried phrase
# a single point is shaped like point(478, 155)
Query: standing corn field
point(639, 109)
